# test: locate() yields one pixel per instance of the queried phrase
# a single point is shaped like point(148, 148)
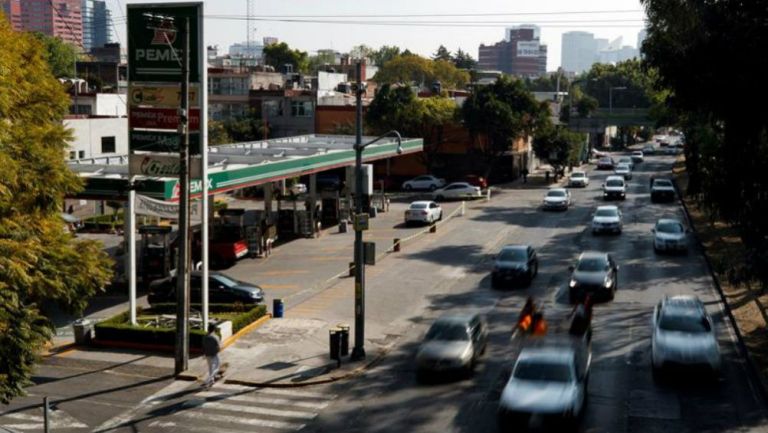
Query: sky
point(225, 22)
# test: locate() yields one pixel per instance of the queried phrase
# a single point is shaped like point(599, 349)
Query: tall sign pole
point(358, 352)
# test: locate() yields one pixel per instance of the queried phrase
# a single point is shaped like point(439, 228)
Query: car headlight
point(573, 283)
point(257, 294)
point(608, 282)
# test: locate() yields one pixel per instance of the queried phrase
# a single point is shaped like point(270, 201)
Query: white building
point(242, 49)
point(96, 137)
point(579, 51)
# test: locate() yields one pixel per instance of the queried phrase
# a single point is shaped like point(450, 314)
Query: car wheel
point(440, 217)
point(408, 187)
point(432, 187)
point(572, 298)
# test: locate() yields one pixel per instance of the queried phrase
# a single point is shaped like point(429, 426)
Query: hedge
point(117, 328)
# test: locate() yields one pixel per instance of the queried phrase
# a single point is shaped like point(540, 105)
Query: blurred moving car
point(683, 335)
point(457, 190)
point(514, 264)
point(607, 219)
point(423, 211)
point(556, 199)
point(637, 156)
point(626, 160)
point(578, 178)
point(426, 181)
point(595, 274)
point(649, 149)
point(549, 380)
point(452, 343)
point(623, 170)
point(615, 188)
point(669, 235)
point(476, 180)
point(662, 190)
point(222, 289)
point(605, 163)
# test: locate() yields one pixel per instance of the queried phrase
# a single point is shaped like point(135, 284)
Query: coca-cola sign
point(155, 165)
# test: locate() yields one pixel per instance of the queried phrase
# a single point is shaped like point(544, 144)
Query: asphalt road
point(623, 397)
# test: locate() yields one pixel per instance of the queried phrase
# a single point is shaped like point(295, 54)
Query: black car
point(595, 274)
point(514, 264)
point(221, 290)
point(662, 190)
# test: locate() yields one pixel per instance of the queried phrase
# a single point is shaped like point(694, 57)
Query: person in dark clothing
point(525, 319)
point(525, 174)
point(211, 349)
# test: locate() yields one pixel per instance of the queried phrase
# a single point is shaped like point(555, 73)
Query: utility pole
point(358, 352)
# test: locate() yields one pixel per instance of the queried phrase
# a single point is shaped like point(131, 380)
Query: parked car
point(578, 178)
point(614, 187)
point(426, 181)
point(514, 264)
point(662, 190)
point(669, 235)
point(457, 190)
point(423, 212)
point(649, 149)
point(683, 335)
point(549, 380)
point(222, 289)
point(605, 163)
point(476, 180)
point(626, 160)
point(607, 219)
point(556, 199)
point(595, 274)
point(637, 156)
point(623, 170)
point(452, 343)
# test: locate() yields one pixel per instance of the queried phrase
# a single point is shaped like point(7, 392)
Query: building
point(57, 18)
point(616, 52)
point(244, 49)
point(521, 53)
point(641, 35)
point(12, 11)
point(97, 24)
point(579, 52)
point(228, 90)
point(93, 137)
point(287, 112)
point(269, 40)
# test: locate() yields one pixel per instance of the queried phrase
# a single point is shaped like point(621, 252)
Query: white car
point(457, 190)
point(637, 156)
point(423, 212)
point(623, 170)
point(546, 381)
point(426, 181)
point(615, 187)
point(669, 235)
point(683, 335)
point(626, 160)
point(556, 199)
point(578, 178)
point(607, 219)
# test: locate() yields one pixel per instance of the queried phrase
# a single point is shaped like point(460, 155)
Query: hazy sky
point(487, 25)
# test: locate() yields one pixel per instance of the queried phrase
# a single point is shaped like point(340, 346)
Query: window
point(301, 109)
point(72, 154)
point(107, 144)
point(81, 154)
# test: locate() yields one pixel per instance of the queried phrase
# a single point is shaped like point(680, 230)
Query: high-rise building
point(12, 11)
point(521, 53)
point(57, 18)
point(97, 24)
point(579, 51)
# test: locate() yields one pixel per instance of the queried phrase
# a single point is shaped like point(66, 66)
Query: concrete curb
point(58, 349)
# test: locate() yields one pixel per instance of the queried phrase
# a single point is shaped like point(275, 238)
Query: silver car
point(453, 343)
point(548, 381)
point(683, 335)
point(557, 199)
point(669, 235)
point(607, 219)
point(623, 170)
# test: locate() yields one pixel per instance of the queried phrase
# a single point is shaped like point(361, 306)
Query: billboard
point(528, 49)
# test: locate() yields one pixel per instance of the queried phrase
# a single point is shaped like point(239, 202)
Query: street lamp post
point(358, 351)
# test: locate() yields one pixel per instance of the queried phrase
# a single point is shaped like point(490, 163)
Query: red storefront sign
point(161, 118)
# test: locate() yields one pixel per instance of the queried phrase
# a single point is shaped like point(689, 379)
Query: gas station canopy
point(238, 165)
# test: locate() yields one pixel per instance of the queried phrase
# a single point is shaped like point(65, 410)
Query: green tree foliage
point(639, 84)
point(413, 69)
point(361, 52)
point(385, 54)
point(217, 133)
point(547, 83)
point(558, 146)
point(442, 54)
point(278, 55)
point(39, 260)
point(317, 62)
point(464, 60)
point(60, 55)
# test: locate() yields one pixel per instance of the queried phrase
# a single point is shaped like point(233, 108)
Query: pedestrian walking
point(525, 174)
point(211, 349)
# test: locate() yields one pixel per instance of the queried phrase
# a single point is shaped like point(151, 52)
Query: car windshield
point(225, 280)
point(419, 206)
point(577, 175)
point(614, 182)
point(606, 212)
point(669, 227)
point(447, 332)
point(662, 182)
point(513, 255)
point(543, 371)
point(556, 193)
point(622, 167)
point(624, 159)
point(592, 264)
point(684, 323)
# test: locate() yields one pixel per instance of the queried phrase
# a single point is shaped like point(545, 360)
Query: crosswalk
point(34, 421)
point(227, 408)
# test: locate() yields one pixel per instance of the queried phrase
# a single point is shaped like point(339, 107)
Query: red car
point(476, 180)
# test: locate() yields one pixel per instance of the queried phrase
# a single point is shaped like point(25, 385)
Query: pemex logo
point(165, 33)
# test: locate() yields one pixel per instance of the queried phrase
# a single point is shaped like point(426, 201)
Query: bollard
point(488, 198)
point(463, 208)
point(433, 228)
point(334, 338)
point(46, 420)
point(344, 331)
point(396, 245)
point(351, 269)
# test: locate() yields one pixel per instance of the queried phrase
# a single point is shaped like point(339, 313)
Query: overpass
point(603, 118)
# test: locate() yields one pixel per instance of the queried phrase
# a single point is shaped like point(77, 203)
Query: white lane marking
point(276, 391)
point(58, 419)
point(194, 428)
point(262, 400)
point(152, 400)
point(224, 419)
point(259, 410)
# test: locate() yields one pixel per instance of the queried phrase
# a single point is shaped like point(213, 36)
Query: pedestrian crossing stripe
point(195, 428)
point(258, 410)
point(254, 398)
point(58, 419)
point(226, 419)
point(276, 391)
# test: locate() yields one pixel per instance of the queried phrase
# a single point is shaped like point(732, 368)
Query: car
point(222, 289)
point(649, 149)
point(298, 189)
point(662, 190)
point(453, 343)
point(614, 187)
point(476, 180)
point(623, 170)
point(556, 199)
point(605, 163)
point(607, 219)
point(457, 190)
point(626, 160)
point(637, 156)
point(423, 211)
point(514, 264)
point(549, 379)
point(672, 149)
point(426, 181)
point(578, 178)
point(683, 336)
point(669, 235)
point(595, 274)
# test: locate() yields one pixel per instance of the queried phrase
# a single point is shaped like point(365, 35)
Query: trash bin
point(83, 329)
point(343, 226)
point(278, 308)
point(344, 332)
point(373, 211)
point(334, 341)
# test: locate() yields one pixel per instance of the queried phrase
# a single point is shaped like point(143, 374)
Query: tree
point(60, 55)
point(385, 54)
point(417, 70)
point(317, 62)
point(361, 52)
point(217, 133)
point(558, 146)
point(464, 60)
point(278, 55)
point(39, 260)
point(442, 54)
